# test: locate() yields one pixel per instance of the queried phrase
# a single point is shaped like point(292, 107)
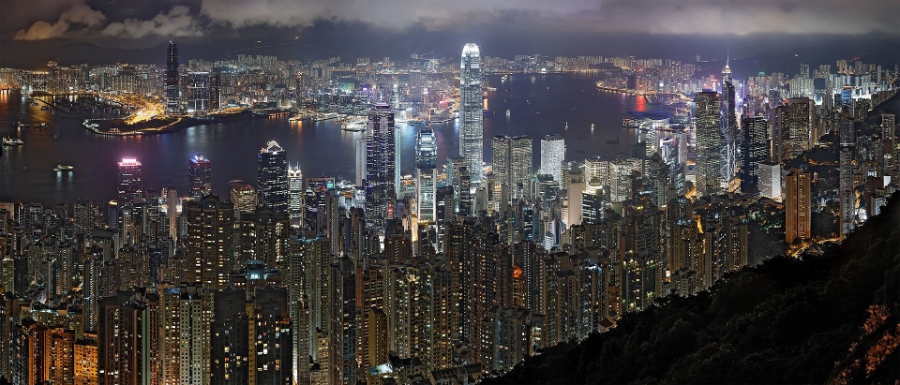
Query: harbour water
point(539, 105)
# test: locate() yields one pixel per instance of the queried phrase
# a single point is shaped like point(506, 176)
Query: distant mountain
point(833, 318)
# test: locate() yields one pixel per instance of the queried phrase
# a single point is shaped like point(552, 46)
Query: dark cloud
point(88, 20)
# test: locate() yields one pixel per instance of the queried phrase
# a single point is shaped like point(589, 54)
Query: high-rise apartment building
point(199, 176)
point(798, 217)
point(209, 255)
point(846, 187)
point(794, 124)
point(511, 165)
point(272, 177)
point(295, 196)
point(471, 115)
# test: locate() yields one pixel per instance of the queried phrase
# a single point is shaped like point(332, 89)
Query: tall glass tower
point(708, 120)
point(199, 176)
point(172, 77)
point(295, 195)
point(129, 184)
point(729, 123)
point(426, 175)
point(380, 165)
point(471, 115)
point(272, 177)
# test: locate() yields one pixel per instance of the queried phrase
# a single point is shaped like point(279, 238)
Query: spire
point(727, 68)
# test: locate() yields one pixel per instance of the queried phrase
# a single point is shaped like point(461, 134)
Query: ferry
point(63, 168)
point(507, 112)
point(357, 124)
point(11, 141)
point(416, 122)
point(567, 126)
point(296, 118)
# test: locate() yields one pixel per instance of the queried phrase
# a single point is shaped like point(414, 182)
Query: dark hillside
point(833, 318)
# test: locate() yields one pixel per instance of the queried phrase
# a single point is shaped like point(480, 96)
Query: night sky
point(399, 27)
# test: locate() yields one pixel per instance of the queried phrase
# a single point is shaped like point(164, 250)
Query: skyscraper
point(129, 183)
point(729, 123)
point(199, 176)
point(710, 142)
point(380, 164)
point(295, 195)
point(846, 196)
point(172, 78)
point(553, 153)
point(426, 175)
point(794, 122)
point(798, 216)
point(209, 254)
point(754, 150)
point(471, 130)
point(244, 197)
point(197, 92)
point(511, 164)
point(272, 177)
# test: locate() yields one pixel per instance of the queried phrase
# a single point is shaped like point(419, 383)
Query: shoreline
point(157, 126)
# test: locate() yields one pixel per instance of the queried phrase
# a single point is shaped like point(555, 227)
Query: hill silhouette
point(832, 318)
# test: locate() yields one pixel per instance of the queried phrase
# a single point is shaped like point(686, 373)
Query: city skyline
point(453, 215)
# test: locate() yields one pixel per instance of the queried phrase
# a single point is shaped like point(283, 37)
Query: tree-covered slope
point(832, 318)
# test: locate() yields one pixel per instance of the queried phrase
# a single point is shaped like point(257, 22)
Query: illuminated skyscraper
point(197, 92)
point(129, 183)
point(209, 254)
point(710, 143)
point(381, 165)
point(798, 216)
point(295, 195)
point(553, 153)
point(846, 195)
point(244, 197)
point(754, 150)
point(794, 124)
point(471, 116)
point(272, 177)
point(729, 124)
point(199, 176)
point(426, 175)
point(172, 78)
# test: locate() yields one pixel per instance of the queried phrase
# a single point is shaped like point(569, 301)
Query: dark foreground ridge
point(833, 318)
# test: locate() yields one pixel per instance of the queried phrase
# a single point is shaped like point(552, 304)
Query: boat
point(592, 126)
point(296, 118)
point(507, 112)
point(567, 125)
point(44, 108)
point(11, 141)
point(416, 122)
point(357, 124)
point(63, 168)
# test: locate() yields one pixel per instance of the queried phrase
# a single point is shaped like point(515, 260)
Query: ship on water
point(64, 168)
point(12, 141)
point(355, 124)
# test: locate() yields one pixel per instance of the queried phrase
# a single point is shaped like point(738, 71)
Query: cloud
point(178, 22)
point(80, 16)
point(382, 13)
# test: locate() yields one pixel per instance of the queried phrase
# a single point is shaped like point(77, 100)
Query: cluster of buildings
point(312, 280)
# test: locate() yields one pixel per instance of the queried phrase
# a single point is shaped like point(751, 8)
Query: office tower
point(888, 126)
point(215, 91)
point(380, 165)
point(729, 123)
point(129, 184)
point(199, 176)
point(426, 175)
point(471, 115)
point(710, 143)
point(209, 254)
point(797, 203)
point(754, 150)
point(272, 177)
point(184, 317)
point(295, 196)
point(244, 197)
point(196, 92)
point(794, 122)
point(846, 187)
point(553, 153)
point(360, 147)
point(511, 164)
point(769, 181)
point(172, 79)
